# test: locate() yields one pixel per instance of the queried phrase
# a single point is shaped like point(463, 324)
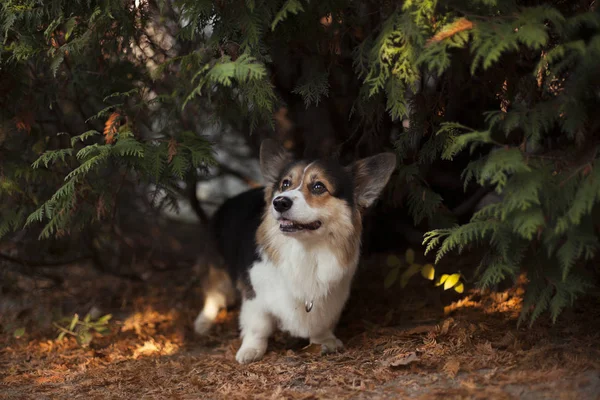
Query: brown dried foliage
point(111, 127)
point(476, 353)
point(172, 150)
point(457, 26)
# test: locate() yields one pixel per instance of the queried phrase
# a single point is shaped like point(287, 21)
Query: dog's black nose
point(282, 203)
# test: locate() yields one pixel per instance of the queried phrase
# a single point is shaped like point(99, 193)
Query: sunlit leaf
point(428, 271)
point(451, 281)
point(459, 288)
point(442, 280)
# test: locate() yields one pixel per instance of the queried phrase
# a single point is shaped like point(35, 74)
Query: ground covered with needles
point(418, 342)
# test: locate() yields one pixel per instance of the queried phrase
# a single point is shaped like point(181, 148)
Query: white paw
point(246, 355)
point(332, 345)
point(202, 325)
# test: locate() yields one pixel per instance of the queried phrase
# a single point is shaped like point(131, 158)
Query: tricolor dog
point(292, 247)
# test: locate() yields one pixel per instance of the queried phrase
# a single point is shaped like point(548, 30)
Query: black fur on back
point(234, 225)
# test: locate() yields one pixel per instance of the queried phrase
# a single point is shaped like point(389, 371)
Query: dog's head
point(312, 198)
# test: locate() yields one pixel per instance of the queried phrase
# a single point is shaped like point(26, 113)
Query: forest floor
point(418, 342)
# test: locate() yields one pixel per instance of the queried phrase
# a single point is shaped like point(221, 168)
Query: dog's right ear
point(273, 158)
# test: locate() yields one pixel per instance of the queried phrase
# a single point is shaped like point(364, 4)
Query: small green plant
point(19, 333)
point(413, 268)
point(83, 330)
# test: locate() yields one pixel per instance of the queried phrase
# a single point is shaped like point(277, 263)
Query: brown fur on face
point(338, 205)
point(342, 223)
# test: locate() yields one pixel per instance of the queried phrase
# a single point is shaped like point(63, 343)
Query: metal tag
point(308, 306)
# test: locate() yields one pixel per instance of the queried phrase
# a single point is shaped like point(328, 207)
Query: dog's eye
point(319, 188)
point(286, 184)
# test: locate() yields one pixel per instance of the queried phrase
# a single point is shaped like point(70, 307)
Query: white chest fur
point(304, 274)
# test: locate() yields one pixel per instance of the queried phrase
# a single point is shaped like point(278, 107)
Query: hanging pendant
point(308, 306)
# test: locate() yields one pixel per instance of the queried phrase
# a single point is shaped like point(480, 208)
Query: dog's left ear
point(273, 158)
point(371, 174)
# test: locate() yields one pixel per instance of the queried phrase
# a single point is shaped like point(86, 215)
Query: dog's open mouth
point(286, 225)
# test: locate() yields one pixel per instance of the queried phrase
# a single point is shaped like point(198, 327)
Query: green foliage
point(313, 89)
point(289, 7)
point(505, 93)
point(19, 333)
point(83, 329)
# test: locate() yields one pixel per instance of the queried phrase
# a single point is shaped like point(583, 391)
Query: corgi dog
point(292, 247)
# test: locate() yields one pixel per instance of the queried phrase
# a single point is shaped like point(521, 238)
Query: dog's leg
point(213, 303)
point(329, 343)
point(257, 325)
point(219, 294)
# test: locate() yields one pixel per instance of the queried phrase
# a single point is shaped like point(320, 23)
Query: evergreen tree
point(94, 93)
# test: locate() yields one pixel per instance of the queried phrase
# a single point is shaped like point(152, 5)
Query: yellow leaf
point(428, 271)
point(459, 288)
point(392, 260)
point(451, 281)
point(442, 280)
point(412, 270)
point(410, 256)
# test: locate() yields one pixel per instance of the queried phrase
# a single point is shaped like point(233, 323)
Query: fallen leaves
point(451, 368)
point(445, 327)
point(155, 354)
point(312, 349)
point(152, 347)
point(400, 360)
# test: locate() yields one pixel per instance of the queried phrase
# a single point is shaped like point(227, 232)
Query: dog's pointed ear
point(273, 158)
point(371, 174)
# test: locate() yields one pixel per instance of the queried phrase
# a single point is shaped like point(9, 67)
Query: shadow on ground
point(418, 342)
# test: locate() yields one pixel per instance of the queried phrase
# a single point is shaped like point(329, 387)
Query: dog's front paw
point(246, 355)
point(332, 345)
